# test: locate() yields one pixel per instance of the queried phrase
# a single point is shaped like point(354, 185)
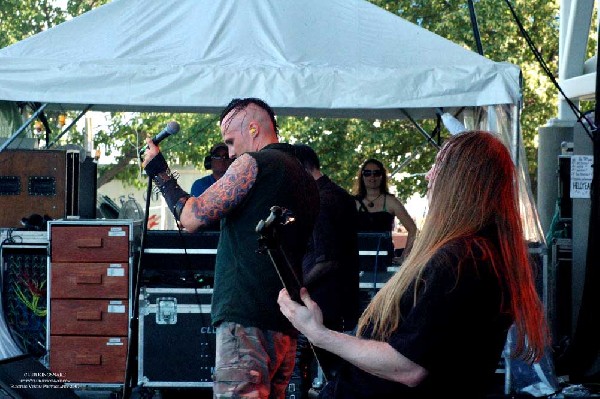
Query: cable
point(10, 239)
point(547, 71)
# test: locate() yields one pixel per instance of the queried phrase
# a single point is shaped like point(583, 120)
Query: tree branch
point(123, 162)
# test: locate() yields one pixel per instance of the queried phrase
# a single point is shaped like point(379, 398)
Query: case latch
point(166, 310)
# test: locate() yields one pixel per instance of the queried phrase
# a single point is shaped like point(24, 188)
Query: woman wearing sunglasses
point(377, 208)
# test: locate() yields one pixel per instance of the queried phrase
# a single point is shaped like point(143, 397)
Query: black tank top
point(374, 221)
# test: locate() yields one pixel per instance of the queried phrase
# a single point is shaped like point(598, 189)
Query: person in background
point(376, 207)
point(330, 267)
point(438, 326)
point(255, 343)
point(218, 161)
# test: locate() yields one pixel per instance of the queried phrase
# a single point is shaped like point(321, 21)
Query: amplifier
point(57, 183)
point(32, 181)
point(179, 259)
point(176, 338)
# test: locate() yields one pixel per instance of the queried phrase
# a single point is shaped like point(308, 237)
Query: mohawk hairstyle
point(239, 104)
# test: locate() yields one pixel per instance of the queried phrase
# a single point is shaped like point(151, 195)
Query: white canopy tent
point(340, 58)
point(334, 58)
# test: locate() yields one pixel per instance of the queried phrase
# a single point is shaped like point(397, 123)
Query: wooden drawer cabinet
point(81, 243)
point(90, 280)
point(90, 299)
point(89, 317)
point(89, 359)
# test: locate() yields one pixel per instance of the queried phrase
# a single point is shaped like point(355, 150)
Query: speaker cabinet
point(88, 186)
point(31, 181)
point(57, 183)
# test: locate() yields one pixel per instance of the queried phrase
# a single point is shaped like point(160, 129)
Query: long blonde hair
point(475, 186)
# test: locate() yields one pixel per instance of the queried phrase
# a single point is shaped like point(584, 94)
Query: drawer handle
point(89, 315)
point(89, 279)
point(89, 243)
point(95, 360)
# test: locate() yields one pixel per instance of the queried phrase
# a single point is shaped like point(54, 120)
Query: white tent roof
point(310, 57)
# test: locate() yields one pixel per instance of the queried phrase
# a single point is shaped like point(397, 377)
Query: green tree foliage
point(501, 41)
point(343, 144)
point(126, 134)
point(20, 19)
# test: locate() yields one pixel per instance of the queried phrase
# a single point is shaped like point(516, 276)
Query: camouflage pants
point(252, 363)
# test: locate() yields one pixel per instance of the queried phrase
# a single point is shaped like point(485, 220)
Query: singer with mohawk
point(256, 344)
point(438, 326)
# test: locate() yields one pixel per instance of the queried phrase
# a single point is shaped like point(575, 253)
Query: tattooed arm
point(222, 196)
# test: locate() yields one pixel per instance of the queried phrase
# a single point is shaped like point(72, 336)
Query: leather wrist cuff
point(156, 166)
point(174, 196)
point(164, 180)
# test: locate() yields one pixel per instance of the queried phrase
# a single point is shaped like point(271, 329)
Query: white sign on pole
point(581, 175)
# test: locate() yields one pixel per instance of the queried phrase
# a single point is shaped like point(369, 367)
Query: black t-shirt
point(455, 330)
point(246, 281)
point(334, 243)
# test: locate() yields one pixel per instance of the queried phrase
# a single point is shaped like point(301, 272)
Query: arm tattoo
point(220, 198)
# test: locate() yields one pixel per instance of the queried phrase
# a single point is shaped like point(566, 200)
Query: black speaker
point(88, 187)
point(23, 377)
point(82, 184)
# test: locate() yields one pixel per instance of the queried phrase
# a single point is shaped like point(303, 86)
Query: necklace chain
point(371, 203)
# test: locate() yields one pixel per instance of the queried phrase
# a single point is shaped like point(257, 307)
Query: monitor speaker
point(88, 185)
point(81, 185)
point(23, 377)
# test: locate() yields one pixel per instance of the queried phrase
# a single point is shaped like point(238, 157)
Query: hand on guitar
point(306, 318)
point(268, 242)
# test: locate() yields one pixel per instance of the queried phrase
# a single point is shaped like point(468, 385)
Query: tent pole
point(408, 160)
point(475, 27)
point(23, 127)
point(69, 127)
point(421, 130)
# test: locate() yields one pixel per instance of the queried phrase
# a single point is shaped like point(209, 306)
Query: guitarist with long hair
point(438, 327)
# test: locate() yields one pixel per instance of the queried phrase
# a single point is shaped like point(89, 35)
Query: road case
point(176, 339)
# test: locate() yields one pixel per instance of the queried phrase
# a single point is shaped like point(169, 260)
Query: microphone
point(169, 130)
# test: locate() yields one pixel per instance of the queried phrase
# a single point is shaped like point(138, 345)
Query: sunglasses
point(220, 158)
point(376, 173)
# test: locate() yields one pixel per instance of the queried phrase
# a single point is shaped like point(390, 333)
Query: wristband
point(165, 181)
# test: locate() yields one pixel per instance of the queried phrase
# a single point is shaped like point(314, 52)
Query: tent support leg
point(475, 27)
point(66, 129)
point(23, 127)
point(430, 140)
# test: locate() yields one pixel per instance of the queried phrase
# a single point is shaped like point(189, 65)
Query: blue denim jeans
point(252, 363)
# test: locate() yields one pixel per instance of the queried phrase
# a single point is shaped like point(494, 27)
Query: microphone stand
point(135, 312)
